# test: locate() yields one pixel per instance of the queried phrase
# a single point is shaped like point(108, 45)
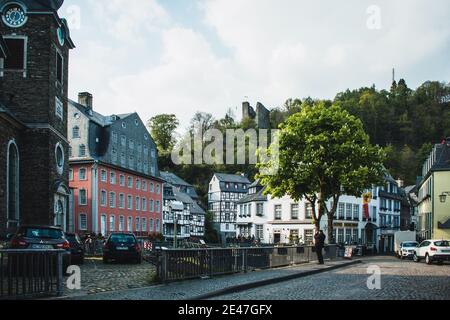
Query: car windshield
point(409, 245)
point(122, 238)
point(442, 243)
point(42, 233)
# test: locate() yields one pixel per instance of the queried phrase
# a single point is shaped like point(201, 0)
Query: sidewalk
point(208, 288)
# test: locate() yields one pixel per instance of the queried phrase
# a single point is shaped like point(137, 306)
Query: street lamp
point(443, 196)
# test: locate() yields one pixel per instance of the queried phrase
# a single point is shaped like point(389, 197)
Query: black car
point(41, 238)
point(76, 248)
point(122, 247)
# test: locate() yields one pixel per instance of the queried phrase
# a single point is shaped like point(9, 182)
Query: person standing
point(319, 242)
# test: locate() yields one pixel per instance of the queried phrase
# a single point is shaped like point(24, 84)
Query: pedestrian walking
point(319, 242)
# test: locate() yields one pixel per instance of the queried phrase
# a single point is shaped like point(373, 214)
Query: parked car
point(407, 249)
point(122, 247)
point(76, 248)
point(433, 250)
point(41, 238)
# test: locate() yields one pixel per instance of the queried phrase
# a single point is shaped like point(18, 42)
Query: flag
point(367, 197)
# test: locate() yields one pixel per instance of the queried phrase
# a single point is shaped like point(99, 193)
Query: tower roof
point(37, 5)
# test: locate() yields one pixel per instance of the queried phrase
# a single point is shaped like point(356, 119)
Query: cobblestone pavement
point(192, 288)
point(98, 277)
point(400, 280)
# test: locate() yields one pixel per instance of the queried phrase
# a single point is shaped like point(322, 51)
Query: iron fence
point(31, 273)
point(182, 264)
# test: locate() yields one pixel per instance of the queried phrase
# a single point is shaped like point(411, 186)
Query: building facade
point(113, 172)
point(225, 190)
point(368, 220)
point(181, 223)
point(34, 54)
point(434, 194)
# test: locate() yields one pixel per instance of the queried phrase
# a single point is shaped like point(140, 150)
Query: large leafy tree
point(162, 128)
point(324, 152)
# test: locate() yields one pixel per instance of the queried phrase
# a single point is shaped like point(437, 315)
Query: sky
point(183, 56)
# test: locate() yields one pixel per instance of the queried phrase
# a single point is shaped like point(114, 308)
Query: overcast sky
point(180, 56)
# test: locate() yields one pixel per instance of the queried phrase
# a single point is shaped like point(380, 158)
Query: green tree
point(323, 153)
point(162, 128)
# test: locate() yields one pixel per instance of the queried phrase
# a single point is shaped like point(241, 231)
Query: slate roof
point(442, 156)
point(258, 196)
point(96, 117)
point(233, 178)
point(174, 179)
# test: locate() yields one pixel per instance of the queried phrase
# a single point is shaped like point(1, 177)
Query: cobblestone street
point(98, 277)
point(400, 280)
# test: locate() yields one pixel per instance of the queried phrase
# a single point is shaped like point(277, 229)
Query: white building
point(284, 221)
point(189, 222)
point(224, 192)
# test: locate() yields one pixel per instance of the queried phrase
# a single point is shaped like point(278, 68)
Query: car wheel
point(416, 258)
point(428, 259)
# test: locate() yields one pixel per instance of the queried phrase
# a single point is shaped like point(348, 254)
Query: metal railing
point(31, 273)
point(182, 264)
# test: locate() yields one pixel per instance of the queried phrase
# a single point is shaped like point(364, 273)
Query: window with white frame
point(70, 174)
point(277, 212)
point(130, 224)
point(112, 199)
point(144, 185)
point(157, 225)
point(130, 182)
point(121, 223)
point(151, 225)
point(103, 175)
point(138, 203)
point(158, 206)
point(82, 174)
point(82, 150)
point(144, 224)
point(121, 201)
point(138, 184)
point(308, 211)
point(144, 204)
point(152, 205)
point(83, 222)
point(82, 197)
point(356, 211)
point(152, 187)
point(294, 211)
point(348, 211)
point(75, 132)
point(112, 223)
point(137, 224)
point(103, 198)
point(158, 188)
point(129, 202)
point(122, 180)
point(112, 177)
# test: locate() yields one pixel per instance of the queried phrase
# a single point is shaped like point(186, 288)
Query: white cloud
point(142, 60)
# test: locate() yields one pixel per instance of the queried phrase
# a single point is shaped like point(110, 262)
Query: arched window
point(75, 132)
point(12, 191)
point(82, 150)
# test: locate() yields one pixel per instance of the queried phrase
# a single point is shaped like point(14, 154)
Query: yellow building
point(434, 194)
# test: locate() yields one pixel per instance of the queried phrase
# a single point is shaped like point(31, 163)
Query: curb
point(261, 283)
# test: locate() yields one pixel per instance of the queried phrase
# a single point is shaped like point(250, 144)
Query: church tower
point(33, 90)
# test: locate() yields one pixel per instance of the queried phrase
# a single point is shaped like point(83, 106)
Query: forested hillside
point(404, 121)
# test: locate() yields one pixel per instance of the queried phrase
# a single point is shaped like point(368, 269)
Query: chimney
point(85, 99)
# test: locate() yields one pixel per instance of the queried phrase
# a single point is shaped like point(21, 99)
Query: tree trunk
point(331, 239)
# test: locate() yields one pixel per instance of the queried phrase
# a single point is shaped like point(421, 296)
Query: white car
point(433, 250)
point(407, 249)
